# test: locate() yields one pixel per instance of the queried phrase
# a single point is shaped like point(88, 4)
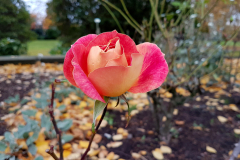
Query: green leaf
point(12, 158)
point(62, 107)
point(176, 3)
point(4, 156)
point(33, 138)
point(24, 101)
point(65, 124)
point(8, 137)
point(98, 108)
point(39, 158)
point(46, 122)
point(67, 138)
point(41, 102)
point(3, 146)
point(13, 99)
point(30, 112)
point(32, 149)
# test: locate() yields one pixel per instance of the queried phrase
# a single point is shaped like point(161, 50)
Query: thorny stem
point(94, 133)
point(51, 152)
point(58, 132)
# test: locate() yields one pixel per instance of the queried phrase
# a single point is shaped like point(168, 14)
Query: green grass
point(41, 46)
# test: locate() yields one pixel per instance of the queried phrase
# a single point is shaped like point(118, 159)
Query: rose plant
point(109, 64)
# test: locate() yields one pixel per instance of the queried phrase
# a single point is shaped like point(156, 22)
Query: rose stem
point(51, 152)
point(93, 134)
point(58, 132)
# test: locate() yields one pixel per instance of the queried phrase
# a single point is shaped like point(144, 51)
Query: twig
point(213, 6)
point(113, 16)
point(51, 152)
point(129, 15)
point(58, 132)
point(124, 15)
point(93, 134)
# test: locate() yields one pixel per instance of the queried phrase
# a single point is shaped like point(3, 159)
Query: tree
point(76, 18)
point(15, 21)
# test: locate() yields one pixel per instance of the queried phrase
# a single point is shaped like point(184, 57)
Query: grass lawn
point(41, 46)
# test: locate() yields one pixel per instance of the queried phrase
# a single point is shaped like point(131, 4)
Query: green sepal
point(98, 108)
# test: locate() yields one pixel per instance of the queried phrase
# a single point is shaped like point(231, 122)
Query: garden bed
point(196, 123)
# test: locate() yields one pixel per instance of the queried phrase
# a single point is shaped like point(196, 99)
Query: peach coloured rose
point(109, 64)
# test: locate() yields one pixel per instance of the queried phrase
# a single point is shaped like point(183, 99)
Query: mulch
point(189, 145)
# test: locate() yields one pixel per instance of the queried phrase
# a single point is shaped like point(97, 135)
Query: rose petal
point(129, 46)
point(154, 69)
point(121, 60)
point(102, 39)
point(80, 56)
point(68, 67)
point(85, 40)
point(115, 80)
point(81, 78)
point(98, 59)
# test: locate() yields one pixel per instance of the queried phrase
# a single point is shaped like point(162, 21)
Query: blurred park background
point(194, 115)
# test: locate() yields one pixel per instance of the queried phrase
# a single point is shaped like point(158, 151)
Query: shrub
point(12, 47)
point(59, 50)
point(52, 33)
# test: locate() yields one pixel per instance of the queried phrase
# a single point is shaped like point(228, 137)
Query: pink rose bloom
point(110, 64)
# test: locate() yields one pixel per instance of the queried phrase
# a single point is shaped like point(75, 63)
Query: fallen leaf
point(114, 144)
point(120, 130)
point(166, 150)
point(117, 137)
point(92, 152)
point(222, 119)
point(110, 156)
point(210, 149)
point(83, 144)
point(198, 99)
point(66, 153)
point(136, 155)
point(179, 122)
point(236, 131)
point(175, 112)
point(143, 152)
point(157, 153)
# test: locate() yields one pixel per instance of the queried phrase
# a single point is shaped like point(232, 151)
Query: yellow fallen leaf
point(73, 97)
point(157, 153)
point(22, 143)
point(67, 101)
point(38, 115)
point(168, 95)
point(233, 107)
point(92, 153)
point(7, 150)
point(83, 144)
point(67, 146)
point(198, 99)
point(66, 153)
point(166, 150)
point(42, 146)
point(83, 104)
point(175, 112)
point(210, 149)
point(110, 156)
point(236, 131)
point(222, 119)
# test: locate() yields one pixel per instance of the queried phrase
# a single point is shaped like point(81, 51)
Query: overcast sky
point(37, 7)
